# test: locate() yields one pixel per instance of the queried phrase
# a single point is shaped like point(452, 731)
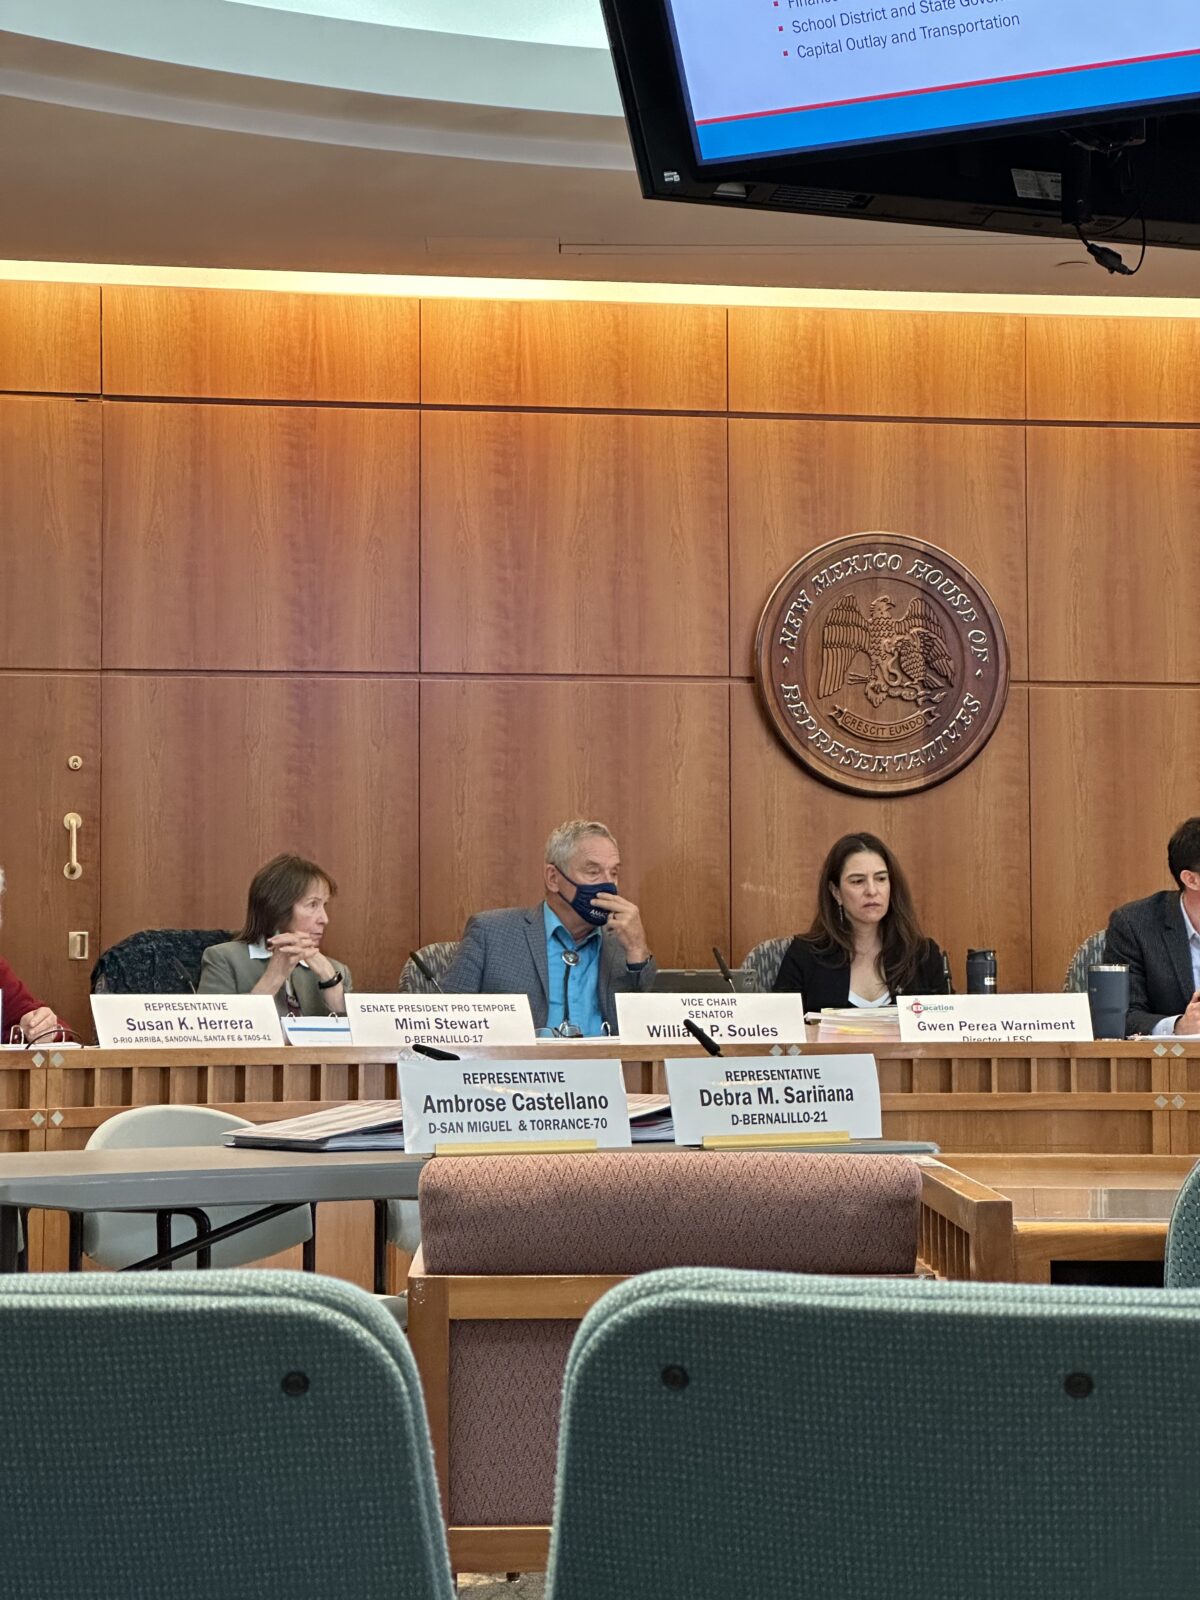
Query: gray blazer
point(231, 969)
point(504, 952)
point(1148, 936)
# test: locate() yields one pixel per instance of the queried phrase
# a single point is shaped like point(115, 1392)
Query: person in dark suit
point(579, 946)
point(865, 945)
point(278, 952)
point(1158, 939)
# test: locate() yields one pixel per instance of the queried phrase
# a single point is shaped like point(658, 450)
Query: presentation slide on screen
point(767, 76)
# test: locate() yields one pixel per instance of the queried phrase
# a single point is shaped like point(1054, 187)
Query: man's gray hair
point(568, 836)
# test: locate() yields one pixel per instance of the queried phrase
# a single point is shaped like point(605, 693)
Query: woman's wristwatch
point(331, 983)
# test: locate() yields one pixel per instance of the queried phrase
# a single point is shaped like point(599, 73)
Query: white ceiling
point(228, 134)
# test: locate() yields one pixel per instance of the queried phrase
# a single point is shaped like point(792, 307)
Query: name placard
point(994, 1018)
point(485, 1104)
point(775, 1099)
point(728, 1018)
point(467, 1019)
point(175, 1020)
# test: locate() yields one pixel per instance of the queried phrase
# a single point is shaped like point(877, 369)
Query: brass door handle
point(72, 822)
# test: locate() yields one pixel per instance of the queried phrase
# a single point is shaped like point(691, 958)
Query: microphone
point(425, 972)
point(949, 981)
point(184, 973)
point(698, 1033)
point(434, 1053)
point(724, 966)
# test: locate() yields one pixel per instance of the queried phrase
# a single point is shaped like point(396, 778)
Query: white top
point(884, 999)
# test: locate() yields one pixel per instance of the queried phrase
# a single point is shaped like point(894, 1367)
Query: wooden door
point(50, 723)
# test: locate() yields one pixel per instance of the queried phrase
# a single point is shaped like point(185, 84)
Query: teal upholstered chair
point(828, 1439)
point(1089, 954)
point(437, 957)
point(1181, 1268)
point(209, 1436)
point(763, 962)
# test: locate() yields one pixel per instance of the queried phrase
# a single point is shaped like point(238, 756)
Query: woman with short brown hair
point(278, 951)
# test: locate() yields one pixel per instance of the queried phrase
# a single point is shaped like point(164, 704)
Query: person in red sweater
point(17, 1006)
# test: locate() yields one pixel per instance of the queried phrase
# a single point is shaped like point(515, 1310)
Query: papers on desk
point(379, 1125)
point(360, 1125)
point(650, 1120)
point(855, 1022)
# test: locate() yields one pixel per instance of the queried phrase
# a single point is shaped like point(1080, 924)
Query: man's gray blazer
point(504, 952)
point(1148, 936)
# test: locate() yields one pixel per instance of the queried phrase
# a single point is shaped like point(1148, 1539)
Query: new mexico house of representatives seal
point(882, 663)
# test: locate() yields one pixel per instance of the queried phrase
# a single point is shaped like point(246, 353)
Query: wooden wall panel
point(589, 544)
point(50, 337)
point(964, 845)
point(1114, 554)
point(876, 363)
point(514, 353)
point(49, 533)
point(234, 344)
point(260, 538)
point(1114, 774)
point(795, 485)
point(1114, 369)
point(47, 719)
point(205, 778)
point(504, 762)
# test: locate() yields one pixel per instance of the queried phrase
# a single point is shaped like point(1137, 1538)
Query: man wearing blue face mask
point(583, 944)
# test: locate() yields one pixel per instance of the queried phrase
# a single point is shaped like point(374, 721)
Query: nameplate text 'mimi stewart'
point(882, 663)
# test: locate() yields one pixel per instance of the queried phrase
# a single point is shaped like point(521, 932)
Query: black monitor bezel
point(646, 63)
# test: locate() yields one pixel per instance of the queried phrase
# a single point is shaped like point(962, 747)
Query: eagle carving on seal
point(907, 655)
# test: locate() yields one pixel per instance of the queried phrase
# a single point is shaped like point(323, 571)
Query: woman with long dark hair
point(278, 952)
point(865, 945)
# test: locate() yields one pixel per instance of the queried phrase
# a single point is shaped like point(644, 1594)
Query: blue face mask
point(581, 901)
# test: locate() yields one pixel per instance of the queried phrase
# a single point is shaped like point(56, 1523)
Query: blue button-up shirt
point(1167, 1025)
point(582, 980)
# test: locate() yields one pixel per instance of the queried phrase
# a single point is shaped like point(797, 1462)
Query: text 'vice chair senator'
point(217, 1436)
point(733, 1433)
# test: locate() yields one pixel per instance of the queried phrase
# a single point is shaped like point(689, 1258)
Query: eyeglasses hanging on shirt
point(58, 1034)
point(567, 1029)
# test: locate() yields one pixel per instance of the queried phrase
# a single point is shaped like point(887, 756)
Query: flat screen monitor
point(962, 113)
point(794, 77)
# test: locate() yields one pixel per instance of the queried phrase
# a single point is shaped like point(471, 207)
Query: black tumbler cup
point(1108, 1000)
point(981, 972)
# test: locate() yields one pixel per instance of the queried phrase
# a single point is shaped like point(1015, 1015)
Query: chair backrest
point(117, 1239)
point(437, 957)
point(1089, 954)
point(1181, 1265)
point(239, 1433)
point(608, 1214)
point(764, 961)
point(146, 1127)
point(155, 961)
point(742, 1433)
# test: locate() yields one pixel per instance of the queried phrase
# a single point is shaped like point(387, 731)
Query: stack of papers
point(379, 1125)
point(650, 1120)
point(855, 1022)
point(361, 1125)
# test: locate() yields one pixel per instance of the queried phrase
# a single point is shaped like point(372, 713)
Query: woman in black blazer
point(865, 945)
